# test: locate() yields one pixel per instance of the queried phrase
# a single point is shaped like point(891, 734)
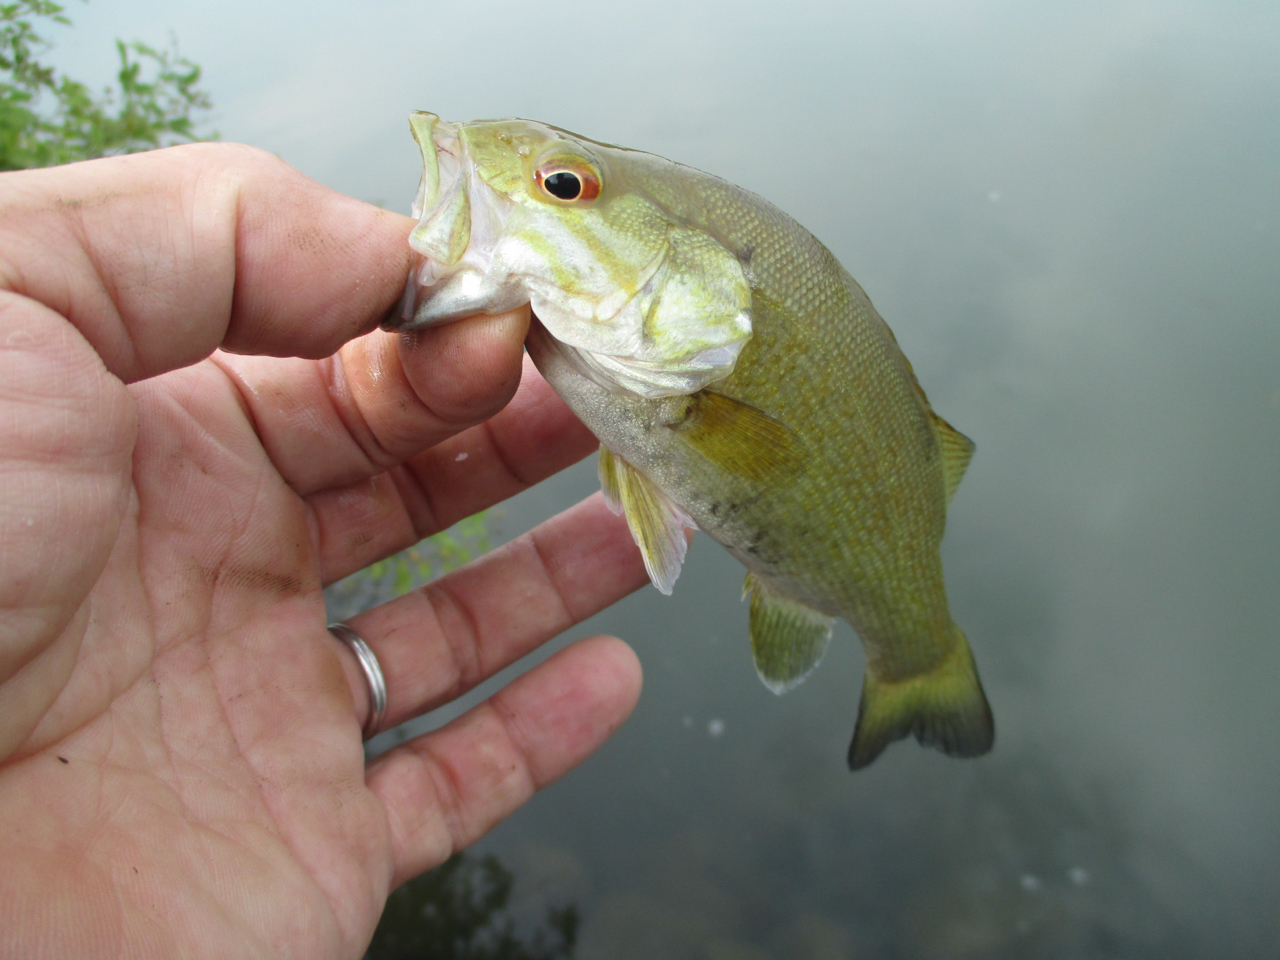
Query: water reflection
point(458, 911)
point(745, 839)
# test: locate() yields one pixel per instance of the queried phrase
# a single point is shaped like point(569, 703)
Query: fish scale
point(761, 399)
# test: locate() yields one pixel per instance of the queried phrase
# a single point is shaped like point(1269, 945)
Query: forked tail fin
point(944, 708)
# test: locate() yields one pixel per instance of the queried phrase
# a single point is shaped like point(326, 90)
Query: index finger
point(158, 258)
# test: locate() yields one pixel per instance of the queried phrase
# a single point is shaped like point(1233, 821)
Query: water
point(1070, 215)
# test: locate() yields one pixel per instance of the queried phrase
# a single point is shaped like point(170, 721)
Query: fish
point(740, 383)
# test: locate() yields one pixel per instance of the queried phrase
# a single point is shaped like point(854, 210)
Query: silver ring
point(373, 677)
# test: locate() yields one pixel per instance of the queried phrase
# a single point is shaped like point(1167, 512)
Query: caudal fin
point(944, 708)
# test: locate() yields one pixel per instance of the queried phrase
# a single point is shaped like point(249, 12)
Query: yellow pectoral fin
point(739, 438)
point(957, 451)
point(657, 522)
point(788, 639)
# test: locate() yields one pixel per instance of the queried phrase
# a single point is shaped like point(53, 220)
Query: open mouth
point(450, 278)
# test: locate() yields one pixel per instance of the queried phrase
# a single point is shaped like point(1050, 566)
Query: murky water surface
point(1069, 213)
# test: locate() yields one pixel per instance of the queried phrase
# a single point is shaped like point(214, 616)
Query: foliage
point(410, 568)
point(439, 554)
point(455, 912)
point(47, 118)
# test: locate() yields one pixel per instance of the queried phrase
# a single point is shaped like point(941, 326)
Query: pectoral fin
point(610, 485)
point(739, 438)
point(657, 522)
point(788, 639)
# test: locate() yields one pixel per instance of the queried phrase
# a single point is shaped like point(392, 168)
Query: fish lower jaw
point(461, 293)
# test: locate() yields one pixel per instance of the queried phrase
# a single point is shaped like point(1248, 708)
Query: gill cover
point(645, 303)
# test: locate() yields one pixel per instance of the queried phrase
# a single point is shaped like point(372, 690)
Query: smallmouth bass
point(740, 382)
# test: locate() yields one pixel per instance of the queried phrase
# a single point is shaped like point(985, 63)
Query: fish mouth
point(453, 241)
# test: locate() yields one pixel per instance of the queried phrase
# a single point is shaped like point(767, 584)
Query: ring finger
point(437, 642)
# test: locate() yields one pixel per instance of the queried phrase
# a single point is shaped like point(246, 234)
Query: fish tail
point(944, 708)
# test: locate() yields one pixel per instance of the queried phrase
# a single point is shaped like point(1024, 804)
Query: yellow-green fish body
point(739, 380)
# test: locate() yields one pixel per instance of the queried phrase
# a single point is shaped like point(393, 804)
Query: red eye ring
point(568, 181)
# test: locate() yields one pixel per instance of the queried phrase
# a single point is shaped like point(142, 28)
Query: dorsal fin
point(956, 450)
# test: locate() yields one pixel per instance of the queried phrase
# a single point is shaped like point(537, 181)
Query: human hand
point(184, 463)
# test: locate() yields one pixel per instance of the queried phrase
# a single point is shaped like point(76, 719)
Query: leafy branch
point(47, 118)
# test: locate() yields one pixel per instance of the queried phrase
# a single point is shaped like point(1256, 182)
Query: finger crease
point(444, 780)
point(464, 650)
point(548, 568)
point(504, 460)
point(520, 743)
point(241, 392)
point(348, 410)
point(419, 503)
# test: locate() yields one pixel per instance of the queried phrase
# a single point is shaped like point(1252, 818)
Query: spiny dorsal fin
point(657, 522)
point(739, 438)
point(957, 451)
point(788, 638)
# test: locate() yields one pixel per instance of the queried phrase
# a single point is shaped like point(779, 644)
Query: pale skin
point(200, 428)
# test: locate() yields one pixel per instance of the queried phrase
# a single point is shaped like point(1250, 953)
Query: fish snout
point(450, 277)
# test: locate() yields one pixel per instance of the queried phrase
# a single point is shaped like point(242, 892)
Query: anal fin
point(657, 522)
point(788, 639)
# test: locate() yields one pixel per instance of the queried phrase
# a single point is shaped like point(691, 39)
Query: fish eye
point(564, 185)
point(568, 180)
